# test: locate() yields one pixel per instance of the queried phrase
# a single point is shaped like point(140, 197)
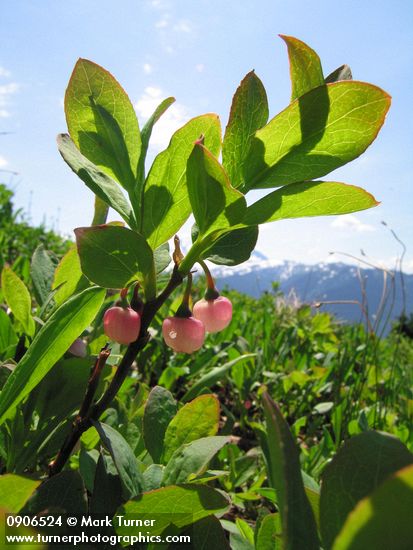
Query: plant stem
point(83, 423)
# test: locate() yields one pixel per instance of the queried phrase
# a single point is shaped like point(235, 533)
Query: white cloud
point(174, 118)
point(183, 25)
point(147, 68)
point(200, 67)
point(4, 72)
point(6, 90)
point(3, 162)
point(352, 223)
point(162, 23)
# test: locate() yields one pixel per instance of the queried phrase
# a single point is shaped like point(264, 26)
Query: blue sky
point(198, 52)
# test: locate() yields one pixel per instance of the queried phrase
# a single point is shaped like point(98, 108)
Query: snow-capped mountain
point(380, 291)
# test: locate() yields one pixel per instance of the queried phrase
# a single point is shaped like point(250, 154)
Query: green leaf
point(51, 342)
point(359, 467)
point(160, 408)
point(305, 67)
point(341, 73)
point(98, 181)
point(181, 506)
point(107, 489)
point(18, 299)
point(245, 530)
point(42, 272)
point(249, 113)
point(204, 534)
point(298, 525)
point(214, 375)
point(146, 136)
point(68, 277)
point(166, 203)
point(8, 337)
point(233, 248)
point(161, 257)
point(126, 255)
point(87, 466)
point(123, 457)
point(152, 477)
point(62, 389)
point(269, 534)
point(102, 122)
point(306, 199)
point(64, 491)
point(196, 419)
point(15, 491)
point(192, 459)
point(322, 130)
point(216, 205)
point(383, 520)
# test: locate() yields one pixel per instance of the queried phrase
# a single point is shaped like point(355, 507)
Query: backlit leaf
point(196, 419)
point(166, 202)
point(322, 130)
point(305, 67)
point(216, 205)
point(18, 299)
point(102, 122)
point(249, 113)
point(306, 199)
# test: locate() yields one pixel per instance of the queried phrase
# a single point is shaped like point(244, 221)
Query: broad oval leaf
point(18, 299)
point(98, 181)
point(305, 67)
point(68, 277)
point(383, 520)
point(123, 457)
point(322, 130)
point(15, 491)
point(102, 122)
point(125, 255)
point(216, 205)
point(160, 408)
point(166, 204)
point(306, 199)
point(299, 529)
point(249, 113)
point(181, 505)
point(192, 459)
point(107, 488)
point(64, 492)
point(233, 248)
point(50, 343)
point(196, 419)
point(358, 468)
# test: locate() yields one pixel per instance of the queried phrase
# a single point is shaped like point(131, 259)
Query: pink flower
point(185, 334)
point(214, 314)
point(122, 324)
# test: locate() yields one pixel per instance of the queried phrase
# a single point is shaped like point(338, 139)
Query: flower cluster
point(185, 331)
